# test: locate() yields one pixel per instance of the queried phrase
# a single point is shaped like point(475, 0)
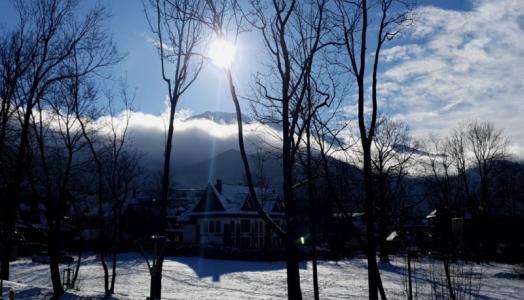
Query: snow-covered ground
point(200, 278)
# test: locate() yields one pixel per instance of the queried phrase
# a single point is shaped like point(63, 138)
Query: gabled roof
point(182, 199)
point(233, 200)
point(209, 201)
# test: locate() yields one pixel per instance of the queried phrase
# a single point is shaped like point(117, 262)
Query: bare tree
point(353, 22)
point(51, 37)
point(457, 149)
point(115, 163)
point(86, 118)
point(392, 152)
point(488, 146)
point(273, 22)
point(14, 62)
point(293, 34)
point(179, 36)
point(479, 146)
point(121, 168)
point(438, 166)
point(224, 18)
point(57, 143)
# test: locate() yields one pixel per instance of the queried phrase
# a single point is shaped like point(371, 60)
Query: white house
point(224, 215)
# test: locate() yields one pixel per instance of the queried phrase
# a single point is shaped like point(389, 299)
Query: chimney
point(218, 185)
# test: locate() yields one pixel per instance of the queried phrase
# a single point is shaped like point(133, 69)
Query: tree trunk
point(292, 256)
point(103, 243)
point(382, 226)
point(316, 291)
point(6, 256)
point(54, 258)
point(167, 166)
point(156, 280)
point(77, 269)
point(384, 247)
point(293, 278)
point(448, 279)
point(106, 271)
point(373, 273)
point(312, 204)
point(292, 268)
point(116, 241)
point(113, 273)
point(3, 126)
point(13, 190)
point(293, 274)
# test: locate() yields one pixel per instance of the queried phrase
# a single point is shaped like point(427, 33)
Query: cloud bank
point(196, 138)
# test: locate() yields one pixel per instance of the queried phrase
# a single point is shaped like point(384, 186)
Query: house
point(225, 216)
point(180, 201)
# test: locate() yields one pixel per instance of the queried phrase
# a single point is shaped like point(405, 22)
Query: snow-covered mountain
point(220, 117)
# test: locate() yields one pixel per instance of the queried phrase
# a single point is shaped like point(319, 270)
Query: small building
point(225, 216)
point(180, 201)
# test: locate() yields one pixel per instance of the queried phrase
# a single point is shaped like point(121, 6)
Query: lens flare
point(222, 53)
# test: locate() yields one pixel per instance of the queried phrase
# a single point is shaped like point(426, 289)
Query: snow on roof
point(184, 199)
point(234, 197)
point(393, 235)
point(432, 214)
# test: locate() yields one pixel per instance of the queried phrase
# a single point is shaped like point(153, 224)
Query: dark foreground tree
point(121, 168)
point(50, 33)
point(179, 35)
point(353, 21)
point(56, 144)
point(292, 33)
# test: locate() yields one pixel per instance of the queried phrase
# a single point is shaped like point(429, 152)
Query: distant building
point(223, 214)
point(181, 201)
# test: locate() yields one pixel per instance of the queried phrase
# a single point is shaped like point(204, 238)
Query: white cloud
point(401, 52)
point(460, 65)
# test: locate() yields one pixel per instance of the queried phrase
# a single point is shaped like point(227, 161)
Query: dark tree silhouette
point(353, 21)
point(179, 37)
point(49, 34)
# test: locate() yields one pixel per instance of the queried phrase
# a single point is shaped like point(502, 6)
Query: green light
point(302, 241)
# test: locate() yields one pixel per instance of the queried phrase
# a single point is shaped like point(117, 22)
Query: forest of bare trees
point(65, 133)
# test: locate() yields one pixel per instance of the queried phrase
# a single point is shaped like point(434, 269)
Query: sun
point(222, 53)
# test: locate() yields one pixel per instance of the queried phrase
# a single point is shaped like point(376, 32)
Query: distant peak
point(220, 117)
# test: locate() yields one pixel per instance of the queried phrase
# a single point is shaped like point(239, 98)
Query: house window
point(244, 225)
point(245, 242)
point(211, 226)
point(204, 227)
point(218, 228)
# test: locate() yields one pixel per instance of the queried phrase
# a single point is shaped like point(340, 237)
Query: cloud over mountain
point(196, 138)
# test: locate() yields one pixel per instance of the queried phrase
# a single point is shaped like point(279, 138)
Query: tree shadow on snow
point(214, 268)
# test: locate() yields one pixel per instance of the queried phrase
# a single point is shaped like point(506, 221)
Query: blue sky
point(142, 66)
point(462, 60)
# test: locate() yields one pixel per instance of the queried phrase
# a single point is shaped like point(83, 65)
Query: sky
point(461, 60)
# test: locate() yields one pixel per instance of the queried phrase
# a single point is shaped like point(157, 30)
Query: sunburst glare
point(222, 53)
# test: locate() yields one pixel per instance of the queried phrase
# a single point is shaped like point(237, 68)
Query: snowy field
point(199, 278)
